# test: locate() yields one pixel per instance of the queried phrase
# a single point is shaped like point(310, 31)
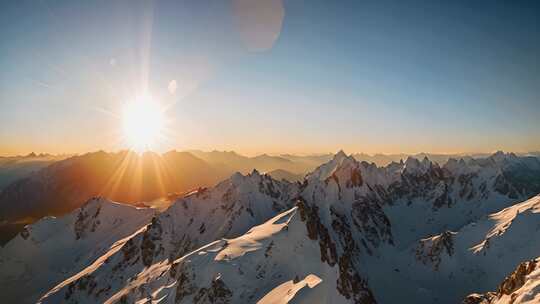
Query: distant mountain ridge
point(123, 176)
point(13, 168)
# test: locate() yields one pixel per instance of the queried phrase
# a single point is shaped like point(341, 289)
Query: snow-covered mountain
point(227, 210)
point(350, 232)
point(295, 256)
point(52, 249)
point(271, 263)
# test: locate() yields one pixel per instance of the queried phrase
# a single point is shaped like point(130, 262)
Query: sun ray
point(111, 186)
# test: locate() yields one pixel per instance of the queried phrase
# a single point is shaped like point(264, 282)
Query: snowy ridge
point(351, 232)
point(227, 210)
point(272, 263)
point(64, 245)
point(474, 258)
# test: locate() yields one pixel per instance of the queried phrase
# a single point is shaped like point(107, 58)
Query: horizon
point(273, 77)
point(140, 153)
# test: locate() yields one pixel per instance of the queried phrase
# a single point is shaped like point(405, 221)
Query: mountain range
point(349, 232)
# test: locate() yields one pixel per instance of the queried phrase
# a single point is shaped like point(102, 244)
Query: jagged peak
point(254, 172)
point(340, 155)
point(501, 156)
point(460, 166)
point(499, 153)
point(414, 166)
point(340, 161)
point(255, 176)
point(241, 177)
point(394, 167)
point(411, 160)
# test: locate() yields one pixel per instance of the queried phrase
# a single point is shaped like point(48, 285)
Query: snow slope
point(54, 248)
point(272, 263)
point(296, 257)
point(443, 268)
point(227, 210)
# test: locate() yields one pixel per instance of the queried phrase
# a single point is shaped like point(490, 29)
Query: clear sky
point(298, 76)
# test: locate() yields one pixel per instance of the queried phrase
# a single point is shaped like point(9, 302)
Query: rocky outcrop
point(216, 293)
point(515, 280)
point(317, 231)
point(87, 218)
point(370, 219)
point(151, 245)
point(430, 251)
point(476, 298)
point(509, 286)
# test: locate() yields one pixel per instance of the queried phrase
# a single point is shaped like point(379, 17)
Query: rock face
point(479, 298)
point(512, 289)
point(517, 279)
point(87, 221)
point(430, 250)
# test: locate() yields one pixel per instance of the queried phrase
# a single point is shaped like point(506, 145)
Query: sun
point(142, 122)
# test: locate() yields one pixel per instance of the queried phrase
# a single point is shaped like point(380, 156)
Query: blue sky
point(366, 76)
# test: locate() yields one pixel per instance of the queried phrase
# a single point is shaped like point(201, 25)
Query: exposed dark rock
point(268, 250)
point(317, 231)
point(369, 218)
point(356, 178)
point(217, 293)
point(508, 286)
point(479, 298)
point(429, 250)
point(148, 245)
point(515, 280)
point(350, 284)
point(184, 279)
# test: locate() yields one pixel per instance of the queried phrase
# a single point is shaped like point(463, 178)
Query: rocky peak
point(458, 167)
point(415, 167)
point(254, 172)
point(498, 156)
point(341, 164)
point(509, 286)
point(430, 250)
point(340, 155)
point(502, 159)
